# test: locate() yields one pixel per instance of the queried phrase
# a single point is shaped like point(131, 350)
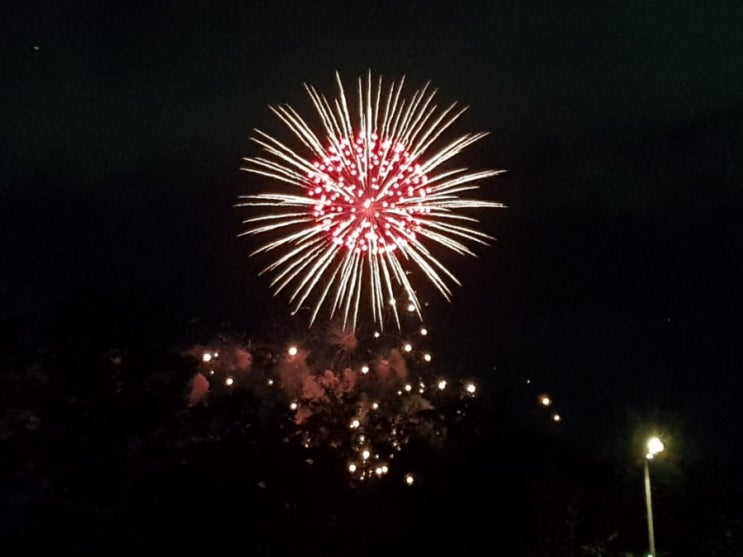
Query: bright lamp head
point(654, 445)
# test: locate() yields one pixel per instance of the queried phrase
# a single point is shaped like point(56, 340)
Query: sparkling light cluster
point(385, 413)
point(367, 405)
point(370, 197)
point(378, 217)
point(544, 400)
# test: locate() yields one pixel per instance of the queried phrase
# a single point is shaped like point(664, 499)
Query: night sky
point(615, 282)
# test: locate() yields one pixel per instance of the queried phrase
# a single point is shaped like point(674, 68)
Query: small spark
point(556, 418)
point(364, 369)
point(293, 351)
point(427, 357)
point(355, 424)
point(375, 405)
point(352, 468)
point(365, 455)
point(229, 381)
point(424, 331)
point(442, 384)
point(206, 357)
point(269, 382)
point(409, 479)
point(407, 347)
point(471, 388)
point(408, 387)
point(545, 400)
point(293, 406)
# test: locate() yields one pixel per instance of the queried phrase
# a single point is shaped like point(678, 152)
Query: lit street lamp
point(654, 446)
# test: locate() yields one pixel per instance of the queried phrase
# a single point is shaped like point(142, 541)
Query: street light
point(654, 446)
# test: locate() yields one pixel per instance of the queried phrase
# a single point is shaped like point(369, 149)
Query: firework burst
point(370, 196)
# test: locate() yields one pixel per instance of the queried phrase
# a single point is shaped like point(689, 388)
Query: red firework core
point(369, 196)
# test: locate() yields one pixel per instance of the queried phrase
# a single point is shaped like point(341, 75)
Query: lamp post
point(654, 446)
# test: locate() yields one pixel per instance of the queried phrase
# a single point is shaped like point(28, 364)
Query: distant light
point(293, 350)
point(211, 372)
point(216, 354)
point(355, 424)
point(378, 470)
point(364, 369)
point(352, 468)
point(392, 301)
point(229, 381)
point(411, 307)
point(409, 479)
point(376, 334)
point(385, 469)
point(269, 382)
point(294, 406)
point(427, 357)
point(375, 405)
point(407, 347)
point(424, 331)
point(545, 400)
point(206, 357)
point(471, 388)
point(442, 384)
point(365, 454)
point(408, 387)
point(556, 418)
